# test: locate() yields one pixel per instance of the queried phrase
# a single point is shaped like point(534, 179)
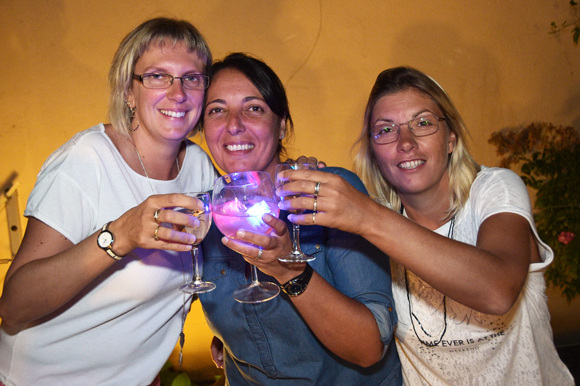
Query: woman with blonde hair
point(466, 259)
point(92, 296)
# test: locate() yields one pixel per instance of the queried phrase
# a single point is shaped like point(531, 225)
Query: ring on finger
point(259, 253)
point(156, 235)
point(156, 215)
point(314, 217)
point(315, 204)
point(316, 188)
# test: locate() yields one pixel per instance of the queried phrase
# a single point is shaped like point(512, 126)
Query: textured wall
point(495, 58)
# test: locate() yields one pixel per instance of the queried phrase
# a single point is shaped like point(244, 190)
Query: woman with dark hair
point(335, 327)
point(466, 257)
point(92, 296)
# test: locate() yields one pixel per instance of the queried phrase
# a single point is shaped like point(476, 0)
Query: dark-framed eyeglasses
point(161, 80)
point(420, 127)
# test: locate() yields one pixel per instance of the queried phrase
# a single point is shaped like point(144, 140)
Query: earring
point(131, 109)
point(136, 126)
point(282, 136)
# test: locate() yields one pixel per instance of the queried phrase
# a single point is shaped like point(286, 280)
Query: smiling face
point(241, 130)
point(415, 166)
point(169, 113)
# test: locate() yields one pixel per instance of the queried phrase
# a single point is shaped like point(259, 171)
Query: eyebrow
point(246, 99)
point(413, 117)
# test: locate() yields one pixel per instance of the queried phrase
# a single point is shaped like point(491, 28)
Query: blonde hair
point(155, 31)
point(462, 168)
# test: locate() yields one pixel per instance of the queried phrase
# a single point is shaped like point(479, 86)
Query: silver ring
point(156, 235)
point(259, 253)
point(156, 215)
point(317, 188)
point(314, 217)
point(315, 204)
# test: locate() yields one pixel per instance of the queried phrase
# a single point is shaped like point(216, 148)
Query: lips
point(239, 147)
point(173, 114)
point(411, 164)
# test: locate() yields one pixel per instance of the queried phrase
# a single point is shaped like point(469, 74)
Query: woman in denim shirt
point(339, 330)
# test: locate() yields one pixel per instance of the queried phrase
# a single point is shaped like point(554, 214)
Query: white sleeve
point(502, 190)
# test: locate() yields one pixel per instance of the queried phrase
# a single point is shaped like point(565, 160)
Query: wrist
point(106, 241)
point(297, 285)
point(290, 272)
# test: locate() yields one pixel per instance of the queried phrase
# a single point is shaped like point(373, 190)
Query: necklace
point(181, 333)
point(414, 317)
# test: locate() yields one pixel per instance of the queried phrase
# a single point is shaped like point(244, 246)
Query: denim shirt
point(269, 343)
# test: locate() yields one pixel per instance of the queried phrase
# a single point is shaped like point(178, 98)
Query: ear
point(282, 131)
point(451, 141)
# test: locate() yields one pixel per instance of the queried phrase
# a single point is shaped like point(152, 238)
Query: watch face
point(104, 240)
point(295, 289)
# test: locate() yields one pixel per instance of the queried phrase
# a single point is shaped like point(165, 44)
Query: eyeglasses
point(161, 80)
point(420, 127)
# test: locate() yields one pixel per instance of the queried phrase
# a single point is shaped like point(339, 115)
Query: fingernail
point(267, 217)
point(241, 234)
point(225, 240)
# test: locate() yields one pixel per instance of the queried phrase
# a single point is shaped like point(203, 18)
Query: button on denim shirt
point(269, 343)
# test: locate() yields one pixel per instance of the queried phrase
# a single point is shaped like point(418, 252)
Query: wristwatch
point(105, 241)
point(297, 286)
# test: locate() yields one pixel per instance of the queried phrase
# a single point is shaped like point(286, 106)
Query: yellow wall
point(495, 58)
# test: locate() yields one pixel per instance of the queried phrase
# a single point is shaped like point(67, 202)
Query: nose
point(407, 140)
point(234, 124)
point(176, 91)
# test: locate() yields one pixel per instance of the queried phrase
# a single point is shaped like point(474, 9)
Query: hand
point(274, 245)
point(304, 159)
point(138, 227)
point(338, 204)
point(217, 352)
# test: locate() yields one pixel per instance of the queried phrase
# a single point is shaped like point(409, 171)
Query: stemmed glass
point(296, 256)
point(239, 202)
point(196, 285)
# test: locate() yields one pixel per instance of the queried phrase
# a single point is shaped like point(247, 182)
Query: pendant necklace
point(414, 317)
point(181, 334)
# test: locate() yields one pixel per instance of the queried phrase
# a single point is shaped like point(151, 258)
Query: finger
point(279, 226)
point(166, 234)
point(303, 159)
point(301, 203)
point(173, 200)
point(242, 248)
point(307, 219)
point(306, 174)
point(257, 239)
point(183, 217)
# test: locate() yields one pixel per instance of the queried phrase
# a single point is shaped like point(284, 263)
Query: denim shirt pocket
point(216, 268)
point(312, 240)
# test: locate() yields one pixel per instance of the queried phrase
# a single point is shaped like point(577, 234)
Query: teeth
point(411, 164)
point(173, 114)
point(239, 147)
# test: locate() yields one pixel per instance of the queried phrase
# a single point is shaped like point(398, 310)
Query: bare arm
point(487, 277)
point(49, 269)
point(344, 325)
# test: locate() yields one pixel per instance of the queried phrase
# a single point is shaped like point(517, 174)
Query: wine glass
point(196, 285)
point(239, 202)
point(296, 256)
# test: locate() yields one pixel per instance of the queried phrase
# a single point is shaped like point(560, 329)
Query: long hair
point(155, 31)
point(462, 168)
point(268, 84)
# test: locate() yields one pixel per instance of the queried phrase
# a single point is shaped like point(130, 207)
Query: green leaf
point(573, 3)
point(181, 380)
point(576, 34)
